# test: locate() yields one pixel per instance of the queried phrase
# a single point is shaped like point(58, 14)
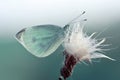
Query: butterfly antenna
point(77, 17)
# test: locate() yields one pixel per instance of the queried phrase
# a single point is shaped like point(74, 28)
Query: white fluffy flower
point(81, 45)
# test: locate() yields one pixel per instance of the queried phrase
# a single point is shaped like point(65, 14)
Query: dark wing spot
point(34, 39)
point(42, 45)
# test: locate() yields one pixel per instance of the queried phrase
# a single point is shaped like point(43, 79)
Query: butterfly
point(41, 40)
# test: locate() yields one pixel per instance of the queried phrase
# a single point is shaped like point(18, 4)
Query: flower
point(82, 46)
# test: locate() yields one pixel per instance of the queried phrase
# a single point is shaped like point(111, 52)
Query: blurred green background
point(18, 64)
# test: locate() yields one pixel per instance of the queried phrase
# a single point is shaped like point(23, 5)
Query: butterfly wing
point(41, 40)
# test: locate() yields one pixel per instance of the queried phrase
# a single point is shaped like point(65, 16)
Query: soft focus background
point(18, 64)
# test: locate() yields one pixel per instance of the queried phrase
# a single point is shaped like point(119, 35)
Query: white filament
point(81, 45)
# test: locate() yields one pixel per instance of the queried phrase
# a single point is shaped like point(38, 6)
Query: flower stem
point(69, 63)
